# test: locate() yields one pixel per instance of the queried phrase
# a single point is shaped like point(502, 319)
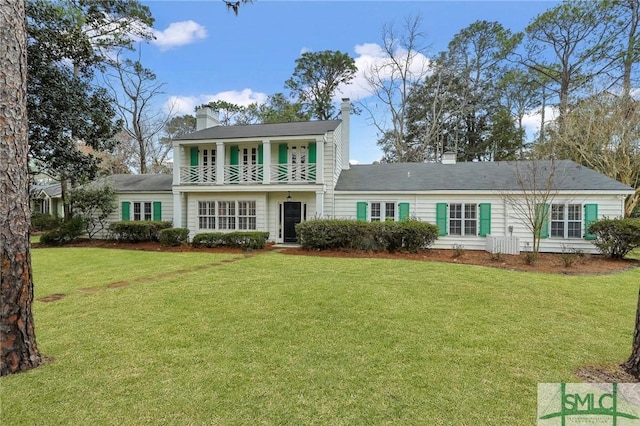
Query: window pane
point(455, 211)
point(390, 211)
point(574, 212)
point(375, 212)
point(557, 229)
point(574, 230)
point(557, 212)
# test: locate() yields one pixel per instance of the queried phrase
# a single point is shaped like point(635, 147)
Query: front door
point(292, 216)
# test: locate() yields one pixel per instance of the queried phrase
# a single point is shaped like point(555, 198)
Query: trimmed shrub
point(615, 238)
point(173, 236)
point(69, 231)
point(137, 230)
point(251, 240)
point(45, 222)
point(333, 234)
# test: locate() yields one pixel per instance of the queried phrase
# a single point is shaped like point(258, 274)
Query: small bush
point(569, 255)
point(68, 231)
point(45, 222)
point(251, 240)
point(173, 236)
point(333, 234)
point(137, 230)
point(615, 238)
point(497, 257)
point(458, 250)
point(531, 258)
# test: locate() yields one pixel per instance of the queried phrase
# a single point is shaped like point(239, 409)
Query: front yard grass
point(276, 339)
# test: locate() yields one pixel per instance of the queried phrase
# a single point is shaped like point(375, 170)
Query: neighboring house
point(140, 197)
point(46, 199)
point(269, 177)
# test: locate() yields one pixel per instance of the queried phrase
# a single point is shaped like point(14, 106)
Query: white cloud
point(531, 121)
point(369, 56)
point(181, 105)
point(179, 34)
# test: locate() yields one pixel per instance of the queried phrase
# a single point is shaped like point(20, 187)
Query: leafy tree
point(17, 336)
point(576, 34)
point(504, 140)
point(316, 78)
point(93, 204)
point(67, 40)
point(278, 109)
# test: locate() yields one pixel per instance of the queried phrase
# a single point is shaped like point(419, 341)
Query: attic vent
point(449, 158)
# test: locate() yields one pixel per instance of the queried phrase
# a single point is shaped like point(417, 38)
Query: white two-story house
point(265, 177)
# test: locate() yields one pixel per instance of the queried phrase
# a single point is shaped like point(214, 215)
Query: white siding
point(166, 198)
point(423, 207)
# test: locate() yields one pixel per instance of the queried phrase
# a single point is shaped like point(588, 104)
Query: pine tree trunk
point(632, 365)
point(17, 337)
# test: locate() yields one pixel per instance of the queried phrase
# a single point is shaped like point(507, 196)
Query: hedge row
point(137, 230)
point(615, 238)
point(45, 222)
point(174, 236)
point(244, 240)
point(334, 234)
point(68, 231)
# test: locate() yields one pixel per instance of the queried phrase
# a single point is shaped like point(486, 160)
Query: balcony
point(249, 174)
point(198, 174)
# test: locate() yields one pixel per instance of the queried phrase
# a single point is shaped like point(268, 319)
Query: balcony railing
point(249, 174)
point(198, 174)
point(293, 172)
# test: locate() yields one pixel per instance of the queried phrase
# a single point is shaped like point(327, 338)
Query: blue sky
point(202, 52)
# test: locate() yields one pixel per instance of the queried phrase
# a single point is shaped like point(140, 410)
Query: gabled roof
point(472, 176)
point(296, 128)
point(51, 190)
point(138, 183)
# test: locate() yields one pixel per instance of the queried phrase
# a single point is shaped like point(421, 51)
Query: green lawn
point(276, 339)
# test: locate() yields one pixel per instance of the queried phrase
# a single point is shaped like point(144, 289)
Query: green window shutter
point(234, 154)
point(403, 211)
point(126, 210)
point(312, 161)
point(194, 156)
point(157, 210)
point(485, 219)
point(441, 218)
point(542, 220)
point(282, 161)
point(361, 211)
point(260, 161)
point(312, 152)
point(590, 216)
point(282, 153)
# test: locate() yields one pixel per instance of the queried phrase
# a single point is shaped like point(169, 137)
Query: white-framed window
point(382, 211)
point(227, 215)
point(142, 210)
point(207, 214)
point(566, 220)
point(463, 219)
point(246, 215)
